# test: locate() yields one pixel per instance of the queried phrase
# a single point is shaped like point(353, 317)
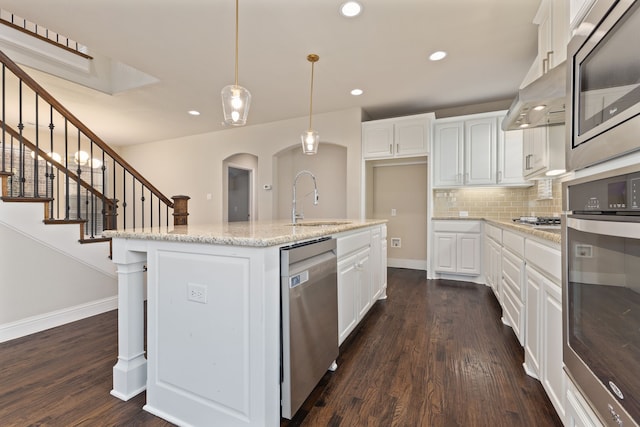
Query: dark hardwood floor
point(433, 354)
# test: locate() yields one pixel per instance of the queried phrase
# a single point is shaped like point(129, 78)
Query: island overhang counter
point(213, 317)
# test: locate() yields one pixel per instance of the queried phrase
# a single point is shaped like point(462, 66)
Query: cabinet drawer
point(514, 312)
point(514, 242)
point(493, 232)
point(545, 258)
point(454, 226)
point(513, 273)
point(352, 242)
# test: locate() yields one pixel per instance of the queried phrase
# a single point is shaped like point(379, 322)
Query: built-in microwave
point(601, 292)
point(603, 112)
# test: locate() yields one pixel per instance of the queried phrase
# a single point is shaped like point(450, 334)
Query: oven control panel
point(614, 194)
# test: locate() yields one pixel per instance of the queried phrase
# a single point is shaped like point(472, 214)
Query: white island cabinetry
point(213, 316)
point(360, 279)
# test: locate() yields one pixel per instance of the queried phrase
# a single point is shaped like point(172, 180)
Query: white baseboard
point(414, 264)
point(31, 325)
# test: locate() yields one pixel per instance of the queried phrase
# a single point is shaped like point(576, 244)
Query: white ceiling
point(189, 46)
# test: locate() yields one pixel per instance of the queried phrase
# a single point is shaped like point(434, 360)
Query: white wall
point(192, 165)
point(41, 287)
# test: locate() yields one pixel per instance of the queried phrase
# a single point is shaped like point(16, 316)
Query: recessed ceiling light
point(437, 56)
point(194, 112)
point(539, 107)
point(357, 92)
point(351, 9)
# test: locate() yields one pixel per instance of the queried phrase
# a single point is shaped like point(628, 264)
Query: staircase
point(50, 157)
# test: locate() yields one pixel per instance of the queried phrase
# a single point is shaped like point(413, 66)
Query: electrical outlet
point(197, 293)
point(396, 242)
point(393, 212)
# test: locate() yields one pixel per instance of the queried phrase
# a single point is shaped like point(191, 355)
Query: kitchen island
point(213, 315)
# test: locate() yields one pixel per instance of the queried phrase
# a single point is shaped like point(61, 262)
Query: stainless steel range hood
point(549, 91)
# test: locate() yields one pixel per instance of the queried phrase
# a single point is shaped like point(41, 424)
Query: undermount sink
point(319, 223)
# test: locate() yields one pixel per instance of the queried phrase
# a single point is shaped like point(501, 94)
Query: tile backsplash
point(497, 203)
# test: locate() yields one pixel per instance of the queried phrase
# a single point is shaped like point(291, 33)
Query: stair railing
point(50, 154)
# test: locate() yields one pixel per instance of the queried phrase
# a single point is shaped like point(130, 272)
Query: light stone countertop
point(551, 235)
point(253, 233)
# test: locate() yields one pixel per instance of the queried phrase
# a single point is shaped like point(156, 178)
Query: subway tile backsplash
point(496, 203)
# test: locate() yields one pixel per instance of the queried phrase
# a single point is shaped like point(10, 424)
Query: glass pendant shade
point(235, 105)
point(310, 142)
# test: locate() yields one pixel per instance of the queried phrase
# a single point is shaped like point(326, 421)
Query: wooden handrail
point(44, 39)
point(58, 165)
point(42, 93)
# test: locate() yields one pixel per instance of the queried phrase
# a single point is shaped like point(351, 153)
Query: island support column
point(130, 372)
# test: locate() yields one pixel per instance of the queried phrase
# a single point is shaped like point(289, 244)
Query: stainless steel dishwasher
point(309, 319)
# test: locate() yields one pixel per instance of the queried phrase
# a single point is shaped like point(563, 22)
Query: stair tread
point(64, 221)
point(95, 240)
point(26, 199)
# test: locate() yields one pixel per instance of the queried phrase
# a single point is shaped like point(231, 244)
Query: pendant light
point(235, 98)
point(310, 138)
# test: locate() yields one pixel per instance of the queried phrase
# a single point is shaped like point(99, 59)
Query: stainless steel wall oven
point(601, 292)
point(603, 110)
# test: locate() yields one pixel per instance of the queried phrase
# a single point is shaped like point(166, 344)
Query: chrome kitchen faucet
point(294, 214)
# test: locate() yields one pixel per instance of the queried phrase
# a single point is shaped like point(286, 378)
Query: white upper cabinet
point(577, 11)
point(553, 36)
point(472, 150)
point(480, 145)
point(399, 137)
point(543, 151)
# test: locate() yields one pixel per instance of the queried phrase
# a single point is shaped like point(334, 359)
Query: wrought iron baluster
point(67, 200)
point(78, 158)
point(124, 198)
point(36, 186)
point(52, 174)
point(21, 142)
point(133, 200)
point(93, 210)
point(142, 204)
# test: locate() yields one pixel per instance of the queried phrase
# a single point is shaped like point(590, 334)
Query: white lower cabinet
point(457, 247)
point(543, 344)
point(531, 298)
point(512, 301)
point(361, 280)
point(493, 258)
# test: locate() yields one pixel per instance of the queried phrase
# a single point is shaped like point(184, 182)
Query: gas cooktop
point(538, 220)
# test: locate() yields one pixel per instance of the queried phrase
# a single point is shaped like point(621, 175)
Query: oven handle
point(607, 228)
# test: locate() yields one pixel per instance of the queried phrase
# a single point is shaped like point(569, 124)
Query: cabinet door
point(535, 150)
point(377, 140)
point(510, 157)
point(468, 257)
point(347, 294)
point(444, 247)
point(552, 375)
point(532, 347)
point(364, 268)
point(448, 146)
point(494, 268)
point(411, 137)
point(480, 151)
point(376, 261)
point(559, 32)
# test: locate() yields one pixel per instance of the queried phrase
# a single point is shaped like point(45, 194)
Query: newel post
point(110, 214)
point(180, 210)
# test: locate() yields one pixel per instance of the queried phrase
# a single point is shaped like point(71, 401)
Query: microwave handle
point(607, 228)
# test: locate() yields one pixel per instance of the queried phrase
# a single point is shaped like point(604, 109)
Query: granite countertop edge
point(248, 234)
point(526, 229)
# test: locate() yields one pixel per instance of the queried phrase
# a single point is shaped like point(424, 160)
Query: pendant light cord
point(237, 8)
point(311, 97)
